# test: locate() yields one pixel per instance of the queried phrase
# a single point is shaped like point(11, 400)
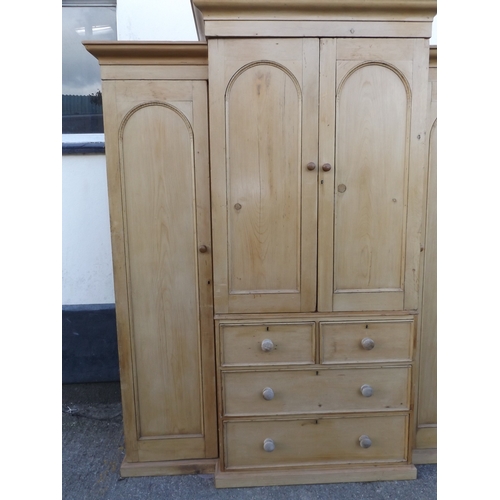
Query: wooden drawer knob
point(268, 393)
point(311, 166)
point(268, 444)
point(342, 188)
point(203, 249)
point(368, 344)
point(365, 441)
point(366, 390)
point(326, 167)
point(267, 345)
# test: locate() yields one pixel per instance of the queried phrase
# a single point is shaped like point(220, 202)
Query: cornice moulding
point(336, 10)
point(178, 53)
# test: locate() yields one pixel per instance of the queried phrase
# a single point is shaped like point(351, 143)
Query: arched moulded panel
point(263, 162)
point(372, 144)
point(158, 190)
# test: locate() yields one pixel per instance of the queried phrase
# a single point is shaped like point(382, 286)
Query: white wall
point(86, 252)
point(86, 240)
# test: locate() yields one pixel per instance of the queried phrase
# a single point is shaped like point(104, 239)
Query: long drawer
point(354, 440)
point(365, 342)
point(267, 344)
point(315, 391)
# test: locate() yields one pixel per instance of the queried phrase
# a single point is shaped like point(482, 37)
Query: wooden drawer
point(365, 342)
point(291, 343)
point(315, 441)
point(315, 391)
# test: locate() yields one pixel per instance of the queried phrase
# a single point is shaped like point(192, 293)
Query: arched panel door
point(371, 187)
point(370, 202)
point(264, 115)
point(164, 305)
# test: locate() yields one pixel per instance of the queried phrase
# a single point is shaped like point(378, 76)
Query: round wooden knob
point(326, 167)
point(368, 344)
point(267, 393)
point(203, 249)
point(268, 444)
point(267, 345)
point(311, 166)
point(342, 188)
point(365, 441)
point(366, 390)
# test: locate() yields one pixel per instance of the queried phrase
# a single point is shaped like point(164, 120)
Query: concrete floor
point(93, 449)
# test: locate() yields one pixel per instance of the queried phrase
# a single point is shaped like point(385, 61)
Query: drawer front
point(311, 441)
point(315, 391)
point(365, 342)
point(267, 344)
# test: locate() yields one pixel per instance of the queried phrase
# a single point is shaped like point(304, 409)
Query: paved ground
point(93, 450)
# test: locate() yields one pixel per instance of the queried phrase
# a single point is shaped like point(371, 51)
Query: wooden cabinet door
point(370, 203)
point(263, 126)
point(158, 177)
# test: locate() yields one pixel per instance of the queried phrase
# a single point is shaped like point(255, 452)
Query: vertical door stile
point(309, 191)
point(326, 187)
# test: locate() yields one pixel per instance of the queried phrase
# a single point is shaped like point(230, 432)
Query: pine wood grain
point(293, 343)
point(315, 391)
point(263, 133)
point(315, 441)
point(342, 343)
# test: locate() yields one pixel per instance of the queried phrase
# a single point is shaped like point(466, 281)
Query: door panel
point(264, 132)
point(365, 202)
point(264, 180)
point(372, 117)
point(163, 157)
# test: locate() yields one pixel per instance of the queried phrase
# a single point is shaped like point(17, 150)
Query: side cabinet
point(426, 437)
point(156, 127)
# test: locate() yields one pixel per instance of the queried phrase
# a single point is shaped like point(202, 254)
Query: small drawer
point(352, 440)
point(267, 344)
point(365, 342)
point(315, 391)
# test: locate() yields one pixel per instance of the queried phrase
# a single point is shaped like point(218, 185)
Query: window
point(83, 20)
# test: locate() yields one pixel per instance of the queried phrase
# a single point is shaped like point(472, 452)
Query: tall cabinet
point(279, 295)
point(157, 156)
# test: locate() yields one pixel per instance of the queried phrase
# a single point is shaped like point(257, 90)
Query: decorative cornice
point(333, 10)
point(168, 53)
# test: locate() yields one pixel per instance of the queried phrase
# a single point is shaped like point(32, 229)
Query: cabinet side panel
point(158, 173)
point(427, 404)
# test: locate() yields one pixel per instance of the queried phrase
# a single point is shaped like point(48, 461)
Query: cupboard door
point(263, 126)
point(157, 147)
point(371, 202)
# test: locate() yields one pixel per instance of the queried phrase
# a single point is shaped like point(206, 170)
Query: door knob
point(365, 441)
point(311, 166)
point(366, 390)
point(368, 344)
point(342, 188)
point(268, 444)
point(267, 393)
point(203, 249)
point(326, 167)
point(267, 345)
